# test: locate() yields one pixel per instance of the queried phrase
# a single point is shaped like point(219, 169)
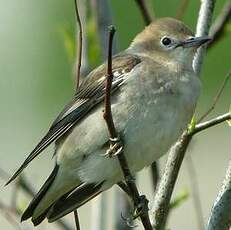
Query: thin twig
point(78, 69)
point(77, 226)
point(114, 136)
point(218, 27)
point(102, 13)
point(210, 123)
point(144, 10)
point(79, 50)
point(217, 97)
point(182, 9)
point(195, 192)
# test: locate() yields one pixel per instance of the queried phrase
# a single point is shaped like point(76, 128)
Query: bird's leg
point(115, 147)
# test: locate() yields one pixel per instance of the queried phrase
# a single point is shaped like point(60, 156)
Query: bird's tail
point(53, 207)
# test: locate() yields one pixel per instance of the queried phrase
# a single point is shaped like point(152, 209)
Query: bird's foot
point(141, 208)
point(115, 148)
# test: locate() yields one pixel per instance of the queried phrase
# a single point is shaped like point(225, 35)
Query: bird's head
point(168, 40)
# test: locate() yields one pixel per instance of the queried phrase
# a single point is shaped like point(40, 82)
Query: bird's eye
point(166, 41)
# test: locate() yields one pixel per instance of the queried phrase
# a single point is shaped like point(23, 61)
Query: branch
point(79, 50)
point(203, 25)
point(220, 218)
point(144, 11)
point(218, 27)
point(117, 145)
point(162, 198)
point(210, 123)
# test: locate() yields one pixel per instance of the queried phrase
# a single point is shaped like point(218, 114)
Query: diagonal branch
point(144, 10)
point(116, 143)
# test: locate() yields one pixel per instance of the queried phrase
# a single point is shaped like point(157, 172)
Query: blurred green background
point(36, 81)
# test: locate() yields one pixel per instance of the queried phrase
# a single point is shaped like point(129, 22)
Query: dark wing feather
point(90, 93)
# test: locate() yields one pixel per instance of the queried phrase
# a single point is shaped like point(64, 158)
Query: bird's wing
point(90, 93)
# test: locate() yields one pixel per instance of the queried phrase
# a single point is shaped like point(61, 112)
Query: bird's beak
point(193, 42)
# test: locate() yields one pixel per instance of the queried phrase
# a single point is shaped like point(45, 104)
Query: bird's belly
point(147, 136)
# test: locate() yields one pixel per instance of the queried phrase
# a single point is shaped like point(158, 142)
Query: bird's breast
point(157, 117)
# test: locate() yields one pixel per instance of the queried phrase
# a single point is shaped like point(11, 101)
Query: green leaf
point(192, 124)
point(179, 199)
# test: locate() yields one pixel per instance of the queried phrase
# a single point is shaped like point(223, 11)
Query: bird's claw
point(141, 208)
point(115, 148)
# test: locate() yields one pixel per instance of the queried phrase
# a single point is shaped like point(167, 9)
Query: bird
point(153, 98)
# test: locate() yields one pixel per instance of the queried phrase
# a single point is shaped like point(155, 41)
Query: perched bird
point(154, 93)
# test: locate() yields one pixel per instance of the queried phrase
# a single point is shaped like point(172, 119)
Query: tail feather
point(33, 204)
point(74, 200)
